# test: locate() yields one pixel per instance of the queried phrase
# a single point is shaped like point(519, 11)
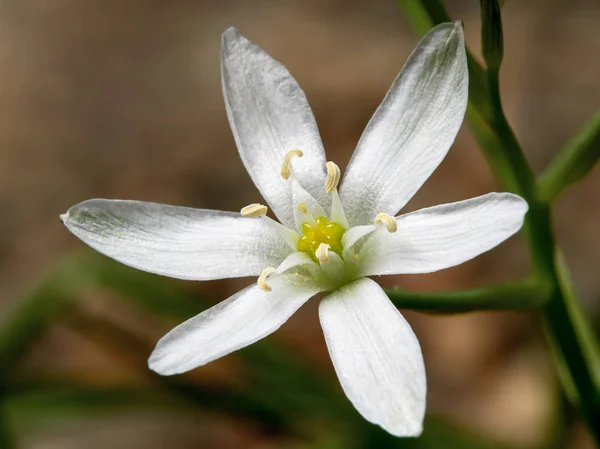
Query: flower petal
point(301, 196)
point(179, 242)
point(237, 322)
point(356, 233)
point(443, 236)
point(269, 116)
point(412, 130)
point(376, 356)
point(295, 260)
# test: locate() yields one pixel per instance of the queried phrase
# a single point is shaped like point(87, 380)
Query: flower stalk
point(520, 295)
point(492, 43)
point(565, 323)
point(575, 160)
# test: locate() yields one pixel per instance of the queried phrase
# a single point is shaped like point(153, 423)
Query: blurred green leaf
point(42, 407)
point(6, 432)
point(29, 317)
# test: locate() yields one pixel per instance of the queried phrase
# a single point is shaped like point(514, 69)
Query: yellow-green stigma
point(324, 231)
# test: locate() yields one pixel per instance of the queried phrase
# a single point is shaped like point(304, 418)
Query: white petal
point(443, 236)
point(295, 260)
point(337, 210)
point(235, 323)
point(301, 195)
point(412, 130)
point(269, 116)
point(376, 356)
point(335, 270)
point(353, 236)
point(356, 233)
point(179, 242)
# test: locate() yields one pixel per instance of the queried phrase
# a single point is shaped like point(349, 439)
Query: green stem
point(511, 149)
point(573, 162)
point(565, 322)
point(520, 295)
point(565, 327)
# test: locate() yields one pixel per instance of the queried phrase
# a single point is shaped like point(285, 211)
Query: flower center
point(318, 236)
point(322, 231)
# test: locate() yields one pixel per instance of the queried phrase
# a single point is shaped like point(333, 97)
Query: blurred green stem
point(520, 295)
point(565, 321)
point(573, 162)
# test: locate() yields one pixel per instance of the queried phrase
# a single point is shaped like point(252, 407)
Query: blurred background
point(116, 99)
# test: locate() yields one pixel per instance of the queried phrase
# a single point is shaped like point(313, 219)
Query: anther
point(322, 252)
point(390, 222)
point(333, 177)
point(254, 210)
point(286, 168)
point(302, 208)
point(264, 277)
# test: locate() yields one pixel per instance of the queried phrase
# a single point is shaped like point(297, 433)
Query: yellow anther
point(285, 169)
point(322, 252)
point(254, 210)
point(264, 277)
point(302, 208)
point(390, 222)
point(333, 176)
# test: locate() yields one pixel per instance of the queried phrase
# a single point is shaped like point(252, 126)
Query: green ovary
point(324, 231)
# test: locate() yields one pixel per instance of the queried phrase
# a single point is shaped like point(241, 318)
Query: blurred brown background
point(122, 99)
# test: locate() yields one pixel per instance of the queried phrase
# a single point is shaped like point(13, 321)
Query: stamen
point(322, 252)
point(254, 210)
point(390, 222)
point(286, 168)
point(333, 177)
point(305, 215)
point(302, 208)
point(264, 276)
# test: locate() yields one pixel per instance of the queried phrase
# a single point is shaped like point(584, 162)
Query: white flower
point(326, 242)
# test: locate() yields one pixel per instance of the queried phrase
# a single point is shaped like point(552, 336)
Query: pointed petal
point(443, 236)
point(179, 242)
point(376, 356)
point(356, 233)
point(269, 116)
point(301, 195)
point(351, 238)
point(235, 323)
point(412, 130)
point(337, 210)
point(295, 260)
